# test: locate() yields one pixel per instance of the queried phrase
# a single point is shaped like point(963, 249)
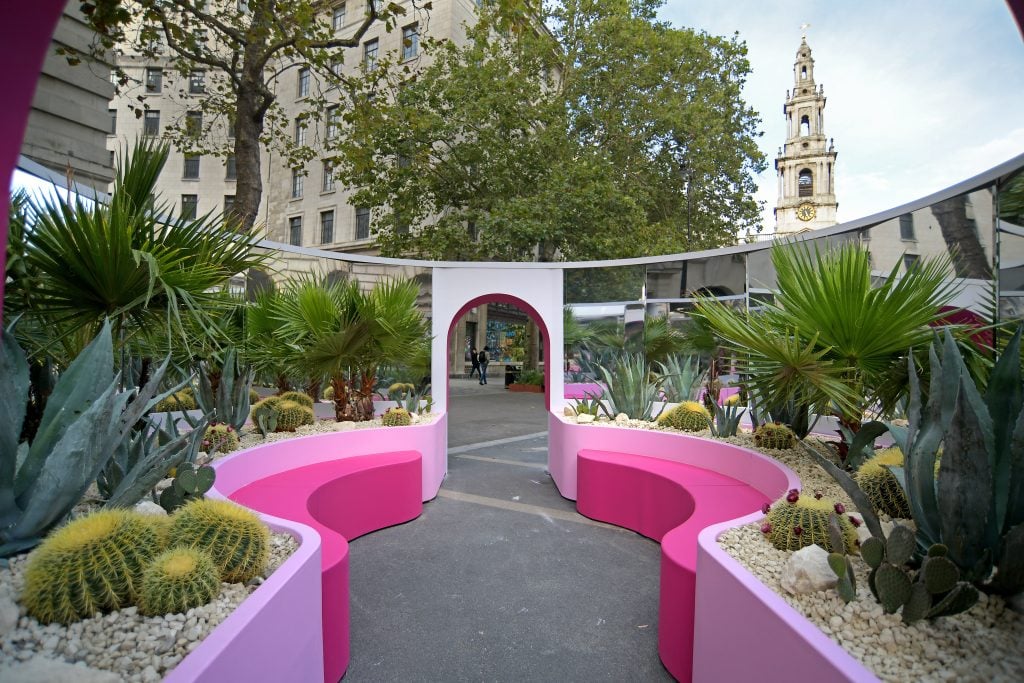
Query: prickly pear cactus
point(774, 435)
point(396, 417)
point(178, 580)
point(880, 484)
point(688, 416)
point(796, 521)
point(92, 564)
point(190, 483)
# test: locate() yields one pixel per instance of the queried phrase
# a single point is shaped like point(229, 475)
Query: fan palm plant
point(132, 261)
point(832, 338)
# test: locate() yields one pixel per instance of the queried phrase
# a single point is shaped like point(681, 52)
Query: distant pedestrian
point(475, 361)
point(483, 359)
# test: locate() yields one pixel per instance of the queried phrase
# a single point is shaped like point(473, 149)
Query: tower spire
point(806, 163)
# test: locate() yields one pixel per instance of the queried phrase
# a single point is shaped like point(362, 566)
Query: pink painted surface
point(669, 502)
point(769, 639)
point(250, 645)
point(583, 390)
point(567, 439)
point(341, 500)
point(429, 440)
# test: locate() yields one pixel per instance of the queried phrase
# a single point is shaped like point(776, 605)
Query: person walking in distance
point(475, 360)
point(483, 360)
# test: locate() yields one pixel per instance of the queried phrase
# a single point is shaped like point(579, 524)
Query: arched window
point(806, 183)
point(805, 126)
point(803, 73)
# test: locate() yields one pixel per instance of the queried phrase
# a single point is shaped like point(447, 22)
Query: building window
point(803, 73)
point(191, 167)
point(336, 66)
point(805, 183)
point(300, 132)
point(805, 126)
point(304, 82)
point(909, 261)
point(151, 124)
point(230, 168)
point(197, 82)
point(410, 41)
point(113, 121)
point(326, 227)
point(297, 182)
point(328, 185)
point(113, 158)
point(331, 126)
point(194, 123)
point(338, 18)
point(362, 223)
point(295, 231)
point(370, 54)
point(401, 225)
point(229, 203)
point(377, 5)
point(154, 81)
point(907, 227)
point(189, 206)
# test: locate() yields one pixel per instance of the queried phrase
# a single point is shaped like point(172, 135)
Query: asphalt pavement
point(500, 579)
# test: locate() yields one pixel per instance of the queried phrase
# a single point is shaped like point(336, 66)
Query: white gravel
point(135, 647)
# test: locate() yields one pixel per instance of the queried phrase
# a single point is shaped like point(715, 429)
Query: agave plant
point(223, 392)
point(630, 389)
point(681, 377)
point(86, 419)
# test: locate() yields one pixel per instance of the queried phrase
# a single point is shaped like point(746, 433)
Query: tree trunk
point(283, 384)
point(250, 111)
point(532, 345)
point(312, 387)
point(961, 236)
point(342, 407)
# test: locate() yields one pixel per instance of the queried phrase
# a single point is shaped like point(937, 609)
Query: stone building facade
point(806, 163)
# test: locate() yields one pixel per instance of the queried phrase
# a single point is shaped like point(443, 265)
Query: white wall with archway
point(538, 291)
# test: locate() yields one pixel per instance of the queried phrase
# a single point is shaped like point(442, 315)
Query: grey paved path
point(500, 579)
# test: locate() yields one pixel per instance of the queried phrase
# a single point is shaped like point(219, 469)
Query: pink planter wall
point(251, 645)
point(745, 632)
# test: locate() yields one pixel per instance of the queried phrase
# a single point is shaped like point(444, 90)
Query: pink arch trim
point(497, 298)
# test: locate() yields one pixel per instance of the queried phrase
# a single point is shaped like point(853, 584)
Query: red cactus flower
point(840, 508)
point(766, 508)
point(798, 530)
point(854, 521)
point(766, 528)
point(793, 496)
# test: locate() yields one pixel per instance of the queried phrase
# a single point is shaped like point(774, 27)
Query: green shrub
point(92, 564)
point(178, 580)
point(234, 537)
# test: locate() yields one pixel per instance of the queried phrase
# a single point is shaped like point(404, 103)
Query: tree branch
point(195, 10)
point(192, 55)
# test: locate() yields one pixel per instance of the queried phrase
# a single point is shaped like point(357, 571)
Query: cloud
point(920, 95)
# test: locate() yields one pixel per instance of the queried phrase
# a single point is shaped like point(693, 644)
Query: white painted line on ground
point(546, 513)
point(519, 463)
point(496, 442)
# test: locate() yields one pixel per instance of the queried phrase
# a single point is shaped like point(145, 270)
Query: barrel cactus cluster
point(179, 400)
point(280, 414)
point(797, 520)
point(112, 559)
point(220, 438)
point(396, 417)
point(298, 397)
point(880, 485)
point(775, 436)
point(688, 416)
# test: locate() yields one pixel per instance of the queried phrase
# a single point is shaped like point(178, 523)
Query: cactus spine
point(774, 435)
point(795, 521)
point(178, 580)
point(688, 416)
point(298, 397)
point(880, 484)
point(234, 537)
point(291, 415)
point(396, 417)
point(92, 564)
point(220, 438)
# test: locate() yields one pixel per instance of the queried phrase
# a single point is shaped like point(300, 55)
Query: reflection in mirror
point(595, 285)
point(1011, 248)
point(717, 275)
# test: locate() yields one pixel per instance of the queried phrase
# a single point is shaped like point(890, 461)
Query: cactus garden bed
point(982, 644)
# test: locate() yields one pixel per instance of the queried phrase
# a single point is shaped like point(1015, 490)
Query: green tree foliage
point(591, 131)
point(242, 48)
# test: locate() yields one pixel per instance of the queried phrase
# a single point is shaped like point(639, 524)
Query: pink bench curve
point(669, 502)
point(342, 500)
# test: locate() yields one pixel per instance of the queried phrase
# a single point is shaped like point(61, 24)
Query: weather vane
point(803, 28)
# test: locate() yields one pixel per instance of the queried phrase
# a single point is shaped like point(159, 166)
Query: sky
point(921, 94)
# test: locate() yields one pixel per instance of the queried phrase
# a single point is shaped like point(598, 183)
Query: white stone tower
point(806, 163)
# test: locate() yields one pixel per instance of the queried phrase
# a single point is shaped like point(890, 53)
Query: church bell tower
point(806, 163)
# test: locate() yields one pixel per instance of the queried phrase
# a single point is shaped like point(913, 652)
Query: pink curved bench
point(670, 502)
point(342, 500)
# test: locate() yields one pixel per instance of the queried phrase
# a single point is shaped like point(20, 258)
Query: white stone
point(807, 571)
point(622, 419)
point(569, 411)
point(42, 670)
point(8, 614)
point(584, 419)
